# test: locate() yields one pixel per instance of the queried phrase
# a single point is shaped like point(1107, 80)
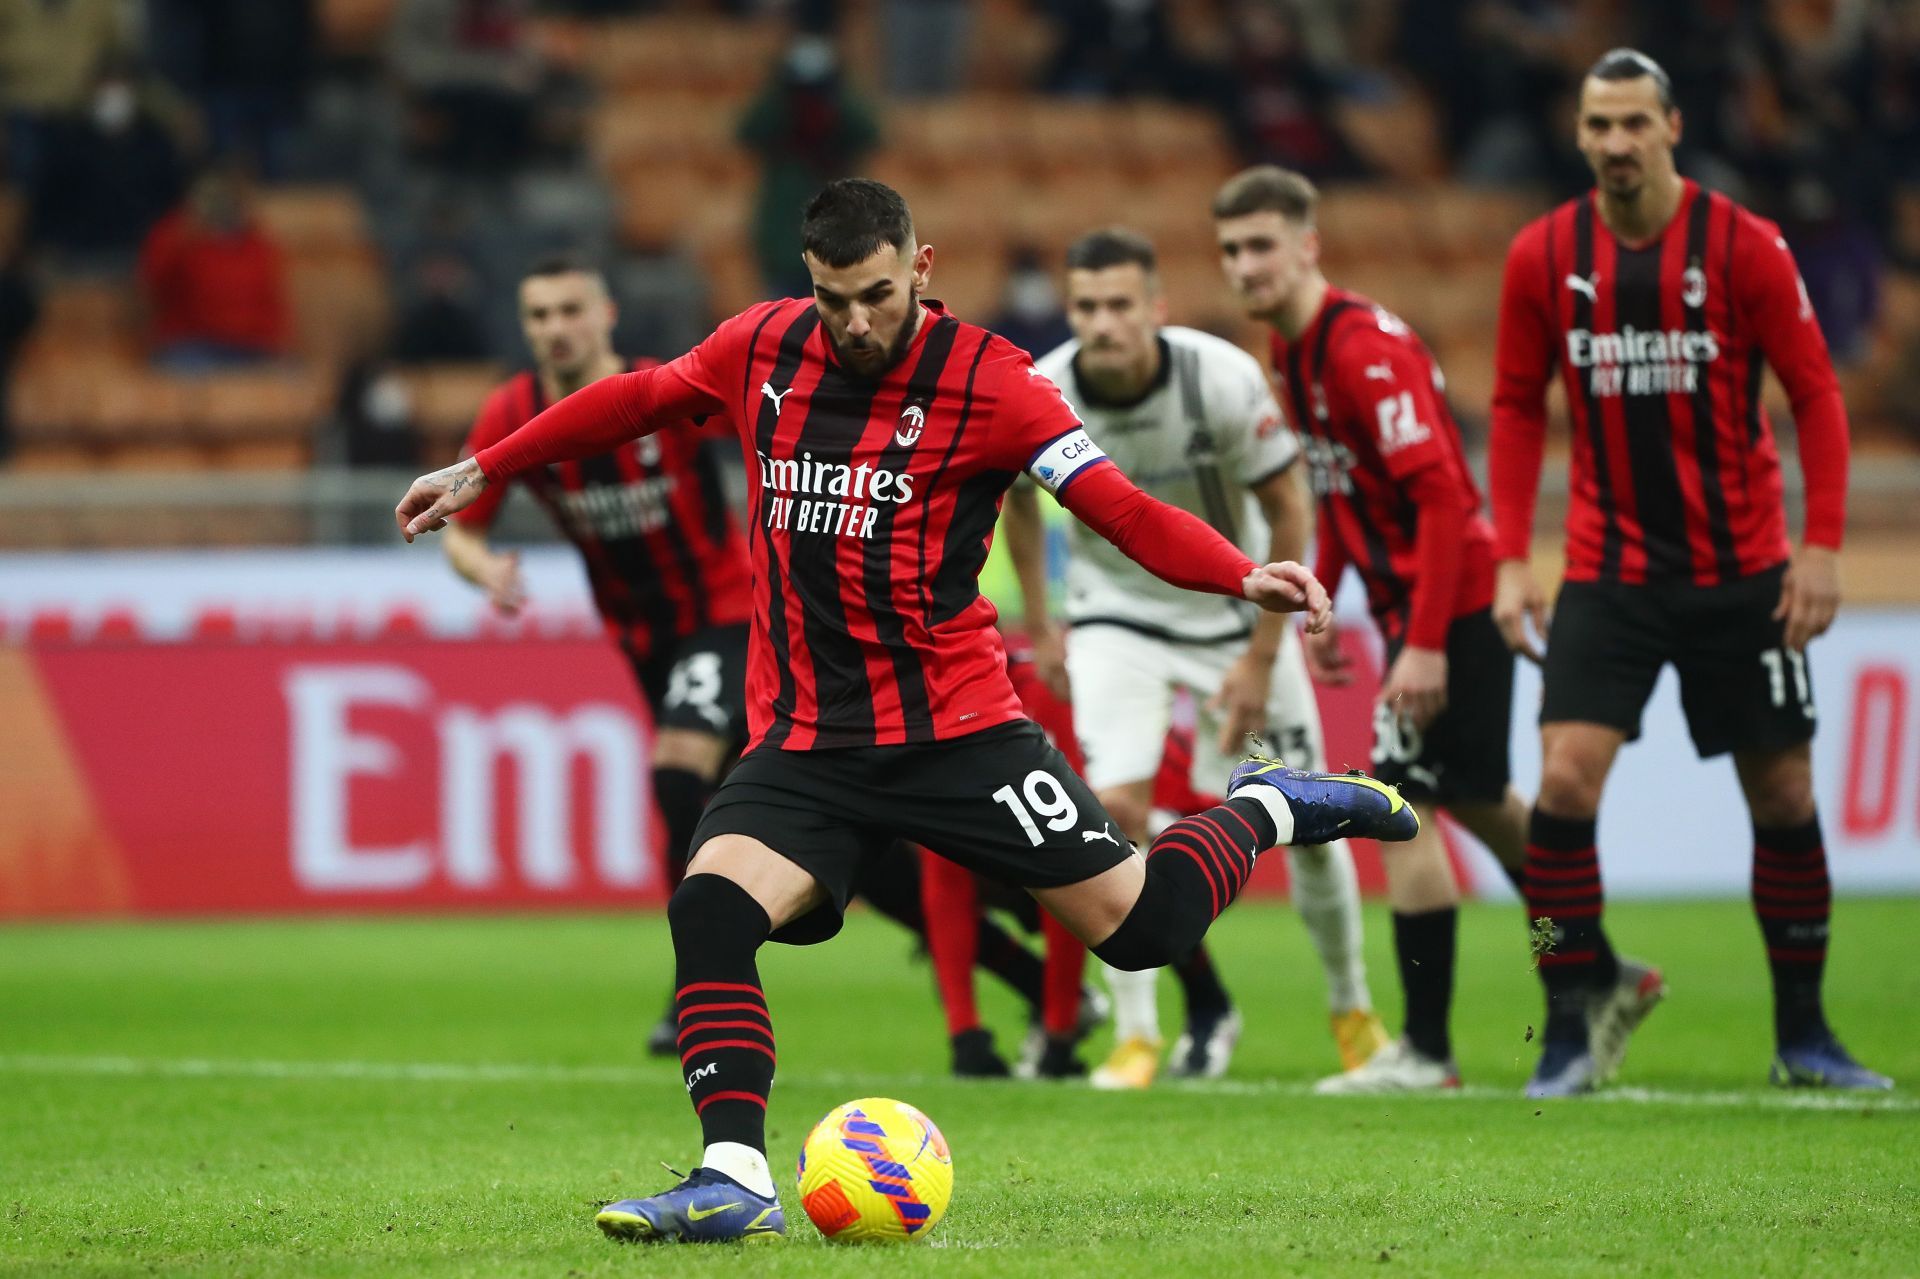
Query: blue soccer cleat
point(1822, 1063)
point(1330, 806)
point(707, 1207)
point(1566, 1070)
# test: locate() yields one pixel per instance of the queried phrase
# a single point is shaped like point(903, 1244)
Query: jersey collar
point(1092, 400)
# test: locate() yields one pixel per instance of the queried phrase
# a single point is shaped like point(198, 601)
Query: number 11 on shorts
point(1058, 808)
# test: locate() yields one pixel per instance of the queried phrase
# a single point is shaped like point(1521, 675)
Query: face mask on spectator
point(114, 105)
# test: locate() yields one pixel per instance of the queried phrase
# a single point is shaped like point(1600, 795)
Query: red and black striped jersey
point(665, 556)
point(1662, 346)
point(1397, 499)
point(873, 505)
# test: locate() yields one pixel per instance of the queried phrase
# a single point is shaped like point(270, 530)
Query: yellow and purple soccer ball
point(875, 1171)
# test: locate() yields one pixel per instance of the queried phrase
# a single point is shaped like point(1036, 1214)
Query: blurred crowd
point(136, 134)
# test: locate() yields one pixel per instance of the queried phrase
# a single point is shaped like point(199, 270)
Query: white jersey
point(1207, 431)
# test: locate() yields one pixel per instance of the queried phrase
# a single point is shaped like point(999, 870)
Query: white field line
point(536, 1073)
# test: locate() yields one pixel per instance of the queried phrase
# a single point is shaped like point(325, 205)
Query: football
point(875, 1171)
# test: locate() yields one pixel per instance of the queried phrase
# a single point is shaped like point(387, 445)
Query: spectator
point(1280, 105)
point(215, 282)
point(925, 46)
point(249, 65)
point(375, 417)
point(472, 77)
point(50, 53)
point(808, 128)
point(1117, 48)
point(108, 172)
point(440, 318)
point(1031, 316)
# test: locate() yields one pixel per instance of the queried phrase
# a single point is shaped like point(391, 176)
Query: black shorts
point(1003, 802)
point(1462, 757)
point(1741, 687)
point(699, 682)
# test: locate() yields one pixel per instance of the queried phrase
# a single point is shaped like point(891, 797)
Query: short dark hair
point(1268, 188)
point(1631, 64)
point(1112, 246)
point(549, 265)
point(854, 218)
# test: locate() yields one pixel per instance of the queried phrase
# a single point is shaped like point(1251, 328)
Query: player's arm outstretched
point(1781, 314)
point(595, 419)
point(1173, 545)
point(1525, 352)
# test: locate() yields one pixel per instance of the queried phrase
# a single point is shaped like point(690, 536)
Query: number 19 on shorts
point(1046, 798)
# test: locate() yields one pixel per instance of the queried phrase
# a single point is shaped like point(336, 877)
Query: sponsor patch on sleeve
point(1064, 458)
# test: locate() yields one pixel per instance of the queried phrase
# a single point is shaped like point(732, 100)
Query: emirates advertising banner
point(357, 731)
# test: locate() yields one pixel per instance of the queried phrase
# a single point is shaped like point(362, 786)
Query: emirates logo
point(913, 420)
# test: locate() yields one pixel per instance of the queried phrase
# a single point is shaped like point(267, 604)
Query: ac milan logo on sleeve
point(913, 420)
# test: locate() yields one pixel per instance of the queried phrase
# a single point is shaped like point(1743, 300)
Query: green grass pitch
point(435, 1097)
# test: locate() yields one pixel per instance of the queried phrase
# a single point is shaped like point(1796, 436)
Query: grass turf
point(453, 1098)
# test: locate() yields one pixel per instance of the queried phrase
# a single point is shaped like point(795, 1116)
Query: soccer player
point(1398, 503)
point(881, 433)
point(668, 568)
point(1191, 419)
point(1662, 303)
point(664, 554)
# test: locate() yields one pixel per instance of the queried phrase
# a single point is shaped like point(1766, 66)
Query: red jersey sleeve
point(493, 424)
point(1774, 304)
point(608, 413)
point(1526, 349)
point(1034, 430)
point(1388, 382)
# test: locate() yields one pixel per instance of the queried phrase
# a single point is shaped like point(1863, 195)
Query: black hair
point(1631, 64)
point(854, 218)
point(1111, 246)
point(552, 264)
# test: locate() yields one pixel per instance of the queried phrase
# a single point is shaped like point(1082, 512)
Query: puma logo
point(1105, 832)
point(710, 1069)
point(1589, 285)
point(766, 389)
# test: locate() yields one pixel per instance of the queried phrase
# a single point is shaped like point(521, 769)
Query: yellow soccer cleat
point(1132, 1064)
point(1359, 1034)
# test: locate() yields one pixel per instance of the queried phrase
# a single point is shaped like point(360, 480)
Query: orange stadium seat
point(309, 221)
point(446, 398)
point(275, 404)
point(355, 28)
point(340, 306)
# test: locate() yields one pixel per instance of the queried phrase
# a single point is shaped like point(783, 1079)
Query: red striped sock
point(1794, 900)
point(726, 1033)
point(1563, 887)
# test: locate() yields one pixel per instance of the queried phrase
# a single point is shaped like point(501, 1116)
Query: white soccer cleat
point(1205, 1048)
point(1395, 1068)
point(1616, 1012)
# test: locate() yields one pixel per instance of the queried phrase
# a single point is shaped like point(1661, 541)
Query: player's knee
point(1788, 801)
point(704, 907)
point(1134, 950)
point(1570, 785)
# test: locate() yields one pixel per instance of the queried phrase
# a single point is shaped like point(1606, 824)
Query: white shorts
point(1124, 688)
